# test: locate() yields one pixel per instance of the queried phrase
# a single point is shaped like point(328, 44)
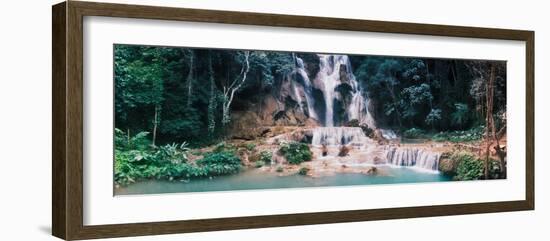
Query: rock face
point(447, 166)
point(257, 119)
point(245, 125)
point(297, 135)
point(320, 91)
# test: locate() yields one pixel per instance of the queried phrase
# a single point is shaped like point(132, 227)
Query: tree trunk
point(211, 100)
point(490, 125)
point(394, 98)
point(190, 80)
point(155, 123)
point(229, 91)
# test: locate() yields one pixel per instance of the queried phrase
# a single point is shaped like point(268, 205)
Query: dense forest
point(192, 113)
point(179, 94)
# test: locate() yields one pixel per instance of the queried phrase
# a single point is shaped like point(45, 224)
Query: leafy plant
point(303, 171)
point(224, 147)
point(460, 116)
point(140, 141)
point(279, 169)
point(170, 162)
point(353, 123)
point(136, 142)
point(433, 117)
point(266, 156)
point(259, 164)
point(121, 139)
point(413, 133)
point(295, 152)
point(250, 146)
point(469, 167)
point(125, 172)
point(473, 134)
point(172, 152)
point(220, 163)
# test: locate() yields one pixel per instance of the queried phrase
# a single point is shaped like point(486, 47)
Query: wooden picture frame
point(67, 124)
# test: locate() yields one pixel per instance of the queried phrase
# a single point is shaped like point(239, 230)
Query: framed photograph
point(171, 120)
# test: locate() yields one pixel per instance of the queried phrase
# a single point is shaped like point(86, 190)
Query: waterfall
point(388, 134)
point(413, 157)
point(334, 71)
point(335, 136)
point(300, 69)
point(332, 75)
point(298, 96)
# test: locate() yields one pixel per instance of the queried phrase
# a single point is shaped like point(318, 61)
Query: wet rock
point(378, 160)
point(344, 151)
point(377, 136)
point(447, 166)
point(344, 76)
point(311, 64)
point(370, 171)
point(324, 150)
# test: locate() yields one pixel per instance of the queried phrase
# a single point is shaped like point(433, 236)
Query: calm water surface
point(256, 179)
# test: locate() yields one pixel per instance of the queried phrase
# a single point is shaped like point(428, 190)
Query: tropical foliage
point(469, 168)
point(172, 102)
point(137, 160)
point(164, 90)
point(295, 152)
point(430, 94)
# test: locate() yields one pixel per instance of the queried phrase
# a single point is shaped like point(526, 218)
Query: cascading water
point(413, 157)
point(336, 136)
point(329, 74)
point(388, 134)
point(300, 69)
point(334, 71)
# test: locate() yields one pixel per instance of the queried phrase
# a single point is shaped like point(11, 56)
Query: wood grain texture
point(530, 119)
point(67, 137)
point(263, 19)
point(74, 110)
point(59, 191)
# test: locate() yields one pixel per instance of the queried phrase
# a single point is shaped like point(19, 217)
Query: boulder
point(344, 151)
point(447, 166)
point(324, 151)
point(370, 171)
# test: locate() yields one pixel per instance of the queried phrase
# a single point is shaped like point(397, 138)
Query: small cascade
point(388, 134)
point(298, 96)
point(413, 157)
point(336, 136)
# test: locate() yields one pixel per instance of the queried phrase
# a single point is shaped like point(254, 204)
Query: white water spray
point(336, 136)
point(300, 69)
point(413, 157)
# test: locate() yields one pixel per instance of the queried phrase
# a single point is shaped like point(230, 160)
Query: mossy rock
point(254, 157)
point(447, 166)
